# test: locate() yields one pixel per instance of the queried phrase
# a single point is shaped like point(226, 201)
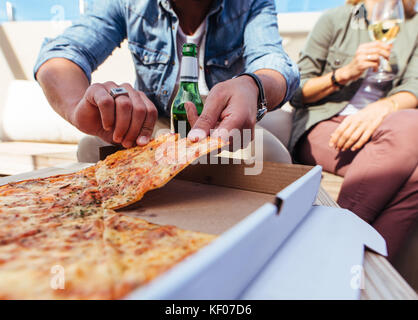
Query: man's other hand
point(230, 105)
point(126, 120)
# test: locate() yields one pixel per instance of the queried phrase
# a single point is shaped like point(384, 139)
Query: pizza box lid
point(322, 259)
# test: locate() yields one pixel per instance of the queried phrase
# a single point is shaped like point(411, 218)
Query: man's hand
point(230, 105)
point(124, 120)
point(357, 129)
point(367, 56)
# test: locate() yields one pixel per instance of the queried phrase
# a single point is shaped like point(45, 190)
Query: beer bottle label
point(189, 69)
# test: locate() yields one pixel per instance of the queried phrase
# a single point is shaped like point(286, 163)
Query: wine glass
point(385, 25)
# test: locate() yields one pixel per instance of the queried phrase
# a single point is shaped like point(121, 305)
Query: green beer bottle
point(188, 91)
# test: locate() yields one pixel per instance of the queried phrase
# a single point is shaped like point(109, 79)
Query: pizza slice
point(124, 177)
point(29, 207)
point(63, 192)
point(145, 250)
point(102, 256)
point(70, 261)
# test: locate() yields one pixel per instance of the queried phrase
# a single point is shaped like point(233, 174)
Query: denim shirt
point(241, 36)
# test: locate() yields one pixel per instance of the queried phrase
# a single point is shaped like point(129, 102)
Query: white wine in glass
point(385, 25)
point(385, 31)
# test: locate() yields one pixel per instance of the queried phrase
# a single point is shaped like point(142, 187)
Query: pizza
point(125, 176)
point(56, 222)
point(103, 256)
point(65, 224)
point(66, 262)
point(145, 250)
point(28, 207)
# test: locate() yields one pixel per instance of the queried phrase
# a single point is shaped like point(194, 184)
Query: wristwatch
point(262, 102)
point(334, 80)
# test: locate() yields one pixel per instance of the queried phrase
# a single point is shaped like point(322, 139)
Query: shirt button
point(173, 27)
point(337, 62)
point(226, 62)
point(165, 92)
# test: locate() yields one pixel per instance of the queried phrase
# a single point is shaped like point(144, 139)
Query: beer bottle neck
point(189, 69)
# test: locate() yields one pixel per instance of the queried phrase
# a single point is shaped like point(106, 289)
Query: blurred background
point(25, 115)
point(32, 135)
point(21, 10)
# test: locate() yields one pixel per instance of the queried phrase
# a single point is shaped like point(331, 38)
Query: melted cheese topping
point(58, 222)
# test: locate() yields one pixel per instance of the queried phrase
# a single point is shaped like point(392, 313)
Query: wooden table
point(382, 281)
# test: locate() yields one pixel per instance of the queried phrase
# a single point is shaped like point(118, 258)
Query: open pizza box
point(273, 243)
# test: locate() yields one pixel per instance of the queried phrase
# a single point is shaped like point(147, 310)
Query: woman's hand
point(367, 56)
point(357, 129)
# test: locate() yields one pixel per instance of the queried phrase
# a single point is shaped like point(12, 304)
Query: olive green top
point(332, 44)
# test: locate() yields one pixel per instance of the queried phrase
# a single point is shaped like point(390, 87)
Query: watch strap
point(334, 80)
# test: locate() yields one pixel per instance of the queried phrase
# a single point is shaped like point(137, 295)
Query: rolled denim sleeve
point(263, 46)
point(90, 40)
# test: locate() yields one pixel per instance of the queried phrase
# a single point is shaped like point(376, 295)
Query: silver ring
point(117, 92)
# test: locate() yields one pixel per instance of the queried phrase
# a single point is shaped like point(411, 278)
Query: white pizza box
point(271, 246)
point(274, 242)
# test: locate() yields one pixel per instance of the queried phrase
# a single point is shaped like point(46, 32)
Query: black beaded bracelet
point(262, 102)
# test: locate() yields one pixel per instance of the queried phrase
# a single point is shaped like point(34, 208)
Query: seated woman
point(365, 131)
